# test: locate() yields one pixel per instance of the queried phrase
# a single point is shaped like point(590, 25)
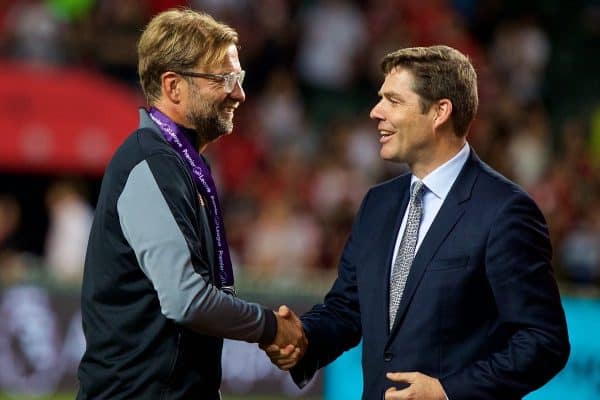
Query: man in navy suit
point(446, 275)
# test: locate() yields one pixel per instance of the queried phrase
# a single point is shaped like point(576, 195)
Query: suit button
point(387, 356)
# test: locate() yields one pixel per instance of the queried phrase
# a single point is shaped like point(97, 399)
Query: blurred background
point(302, 155)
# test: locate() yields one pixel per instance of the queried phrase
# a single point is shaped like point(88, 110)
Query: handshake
point(290, 342)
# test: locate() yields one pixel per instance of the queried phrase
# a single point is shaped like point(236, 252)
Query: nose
point(238, 93)
point(376, 112)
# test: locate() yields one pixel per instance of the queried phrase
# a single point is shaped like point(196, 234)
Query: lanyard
point(205, 185)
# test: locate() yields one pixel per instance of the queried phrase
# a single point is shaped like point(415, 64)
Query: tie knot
point(417, 189)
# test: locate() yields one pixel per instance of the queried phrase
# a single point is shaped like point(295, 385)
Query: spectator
point(12, 267)
point(69, 228)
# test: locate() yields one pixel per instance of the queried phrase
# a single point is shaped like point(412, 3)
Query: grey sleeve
point(153, 227)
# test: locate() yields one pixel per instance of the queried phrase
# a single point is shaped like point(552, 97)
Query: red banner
point(62, 119)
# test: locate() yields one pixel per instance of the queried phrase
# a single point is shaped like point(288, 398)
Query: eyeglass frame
point(225, 78)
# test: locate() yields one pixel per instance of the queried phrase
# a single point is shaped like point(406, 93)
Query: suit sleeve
point(518, 268)
point(334, 326)
point(158, 218)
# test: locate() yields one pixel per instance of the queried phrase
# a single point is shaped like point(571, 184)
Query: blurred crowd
point(304, 151)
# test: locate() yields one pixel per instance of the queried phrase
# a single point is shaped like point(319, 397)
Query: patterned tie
point(406, 252)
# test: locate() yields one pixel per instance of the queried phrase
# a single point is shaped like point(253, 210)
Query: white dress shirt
point(436, 187)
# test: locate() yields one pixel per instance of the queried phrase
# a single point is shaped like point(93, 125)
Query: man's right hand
point(290, 342)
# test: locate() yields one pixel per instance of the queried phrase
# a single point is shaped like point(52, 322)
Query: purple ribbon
point(205, 186)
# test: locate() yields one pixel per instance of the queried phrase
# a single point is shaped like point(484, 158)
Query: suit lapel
point(448, 216)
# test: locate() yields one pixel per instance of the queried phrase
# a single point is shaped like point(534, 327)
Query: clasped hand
point(420, 387)
point(290, 341)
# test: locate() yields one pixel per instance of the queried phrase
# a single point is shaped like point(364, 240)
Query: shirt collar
point(441, 179)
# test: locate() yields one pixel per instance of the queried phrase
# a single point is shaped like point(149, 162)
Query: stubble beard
point(208, 123)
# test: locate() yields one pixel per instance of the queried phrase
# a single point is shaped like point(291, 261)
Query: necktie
point(406, 252)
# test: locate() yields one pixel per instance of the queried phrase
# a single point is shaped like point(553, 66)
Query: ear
point(442, 112)
point(171, 86)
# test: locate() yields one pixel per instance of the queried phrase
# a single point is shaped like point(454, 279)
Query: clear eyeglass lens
point(232, 78)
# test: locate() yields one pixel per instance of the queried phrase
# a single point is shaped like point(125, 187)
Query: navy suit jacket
point(480, 311)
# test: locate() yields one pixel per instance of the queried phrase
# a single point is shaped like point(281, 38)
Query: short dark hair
point(440, 72)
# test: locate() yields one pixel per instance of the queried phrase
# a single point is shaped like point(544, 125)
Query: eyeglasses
point(228, 80)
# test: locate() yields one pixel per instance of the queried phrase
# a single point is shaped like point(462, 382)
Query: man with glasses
point(158, 295)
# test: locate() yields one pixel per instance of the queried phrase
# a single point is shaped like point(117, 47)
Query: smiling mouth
point(385, 133)
point(228, 111)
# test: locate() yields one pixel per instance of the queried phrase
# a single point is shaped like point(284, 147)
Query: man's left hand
point(421, 387)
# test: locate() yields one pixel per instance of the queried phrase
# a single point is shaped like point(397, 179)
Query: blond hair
point(178, 40)
point(440, 72)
